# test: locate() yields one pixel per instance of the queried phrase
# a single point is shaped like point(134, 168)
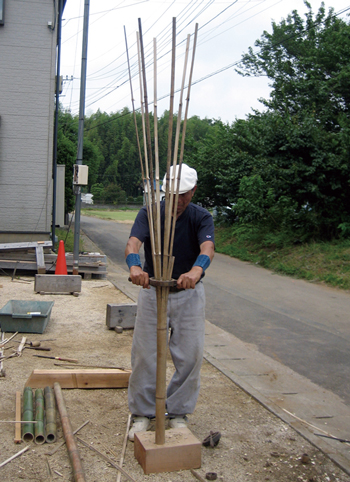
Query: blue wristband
point(203, 261)
point(133, 259)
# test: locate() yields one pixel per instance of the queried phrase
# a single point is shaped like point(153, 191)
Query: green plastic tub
point(25, 316)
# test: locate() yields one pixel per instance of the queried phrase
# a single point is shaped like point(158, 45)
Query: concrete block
point(181, 451)
point(49, 283)
point(123, 315)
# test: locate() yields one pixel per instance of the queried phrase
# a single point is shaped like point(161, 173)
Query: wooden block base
point(181, 451)
point(48, 283)
point(121, 314)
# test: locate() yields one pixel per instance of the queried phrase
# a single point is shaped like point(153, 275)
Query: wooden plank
point(39, 254)
point(80, 378)
point(25, 245)
point(181, 451)
point(49, 283)
point(18, 431)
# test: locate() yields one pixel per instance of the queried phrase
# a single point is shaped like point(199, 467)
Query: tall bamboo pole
point(162, 267)
point(156, 161)
point(168, 198)
point(185, 124)
point(154, 207)
point(148, 187)
point(174, 190)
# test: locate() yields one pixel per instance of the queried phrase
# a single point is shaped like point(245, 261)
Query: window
point(2, 12)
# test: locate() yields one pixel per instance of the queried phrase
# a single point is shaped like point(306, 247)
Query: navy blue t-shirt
point(194, 226)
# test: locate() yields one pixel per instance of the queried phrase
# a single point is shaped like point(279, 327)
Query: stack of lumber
point(25, 258)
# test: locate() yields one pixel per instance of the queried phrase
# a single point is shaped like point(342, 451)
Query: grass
point(318, 262)
point(68, 239)
point(114, 215)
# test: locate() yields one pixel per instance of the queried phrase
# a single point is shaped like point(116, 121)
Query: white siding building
point(28, 38)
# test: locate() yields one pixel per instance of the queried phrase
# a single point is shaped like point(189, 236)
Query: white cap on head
point(188, 179)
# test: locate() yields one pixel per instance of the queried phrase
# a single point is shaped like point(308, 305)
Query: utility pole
point(77, 188)
point(54, 167)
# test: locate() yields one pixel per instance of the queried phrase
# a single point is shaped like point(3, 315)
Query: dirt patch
point(254, 446)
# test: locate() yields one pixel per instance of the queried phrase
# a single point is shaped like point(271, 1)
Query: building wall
point(27, 88)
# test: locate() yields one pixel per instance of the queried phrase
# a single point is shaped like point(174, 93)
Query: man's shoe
point(139, 424)
point(178, 422)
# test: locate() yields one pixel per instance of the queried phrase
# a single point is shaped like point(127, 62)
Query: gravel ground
point(254, 446)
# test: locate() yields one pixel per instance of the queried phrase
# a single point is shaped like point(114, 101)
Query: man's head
point(187, 188)
point(188, 179)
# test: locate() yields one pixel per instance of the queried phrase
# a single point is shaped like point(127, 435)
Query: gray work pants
point(186, 320)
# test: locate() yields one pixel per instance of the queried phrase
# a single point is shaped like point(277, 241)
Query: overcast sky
point(226, 30)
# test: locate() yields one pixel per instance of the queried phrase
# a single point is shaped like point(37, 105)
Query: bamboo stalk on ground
point(51, 415)
point(72, 447)
point(39, 417)
point(62, 443)
point(28, 415)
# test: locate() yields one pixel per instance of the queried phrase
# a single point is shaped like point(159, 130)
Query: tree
point(67, 141)
point(307, 123)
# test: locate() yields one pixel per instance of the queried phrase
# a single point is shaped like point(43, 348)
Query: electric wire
point(116, 83)
point(106, 90)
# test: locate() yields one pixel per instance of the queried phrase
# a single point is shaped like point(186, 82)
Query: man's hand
point(188, 280)
point(139, 277)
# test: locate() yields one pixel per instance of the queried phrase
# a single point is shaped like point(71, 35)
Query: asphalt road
point(304, 326)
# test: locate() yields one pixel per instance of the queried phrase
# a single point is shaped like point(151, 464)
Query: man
point(193, 251)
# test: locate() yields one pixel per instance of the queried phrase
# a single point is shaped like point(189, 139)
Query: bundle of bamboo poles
point(163, 261)
point(39, 416)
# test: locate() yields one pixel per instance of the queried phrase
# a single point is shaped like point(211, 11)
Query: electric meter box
point(80, 174)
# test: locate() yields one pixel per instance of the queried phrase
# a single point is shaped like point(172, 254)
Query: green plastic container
point(25, 316)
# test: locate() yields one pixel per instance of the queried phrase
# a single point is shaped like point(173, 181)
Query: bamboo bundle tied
point(163, 260)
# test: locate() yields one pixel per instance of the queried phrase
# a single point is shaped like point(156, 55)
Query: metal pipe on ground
point(28, 415)
point(72, 447)
point(51, 414)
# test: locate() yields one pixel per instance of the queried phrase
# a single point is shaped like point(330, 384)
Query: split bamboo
point(72, 447)
point(28, 415)
point(18, 438)
point(50, 415)
point(39, 417)
point(14, 456)
point(121, 461)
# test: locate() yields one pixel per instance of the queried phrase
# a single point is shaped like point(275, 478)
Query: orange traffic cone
point(61, 265)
